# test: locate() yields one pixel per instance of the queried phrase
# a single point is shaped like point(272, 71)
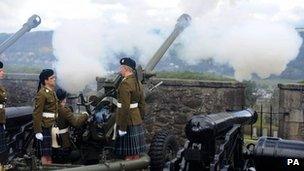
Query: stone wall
point(170, 105)
point(291, 102)
point(21, 88)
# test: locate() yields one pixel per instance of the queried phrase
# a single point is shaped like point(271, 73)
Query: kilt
point(45, 146)
point(133, 143)
point(3, 143)
point(63, 151)
point(61, 155)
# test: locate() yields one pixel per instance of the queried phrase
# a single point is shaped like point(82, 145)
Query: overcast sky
point(91, 33)
point(13, 13)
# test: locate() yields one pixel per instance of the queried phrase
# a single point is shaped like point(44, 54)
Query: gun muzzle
point(203, 127)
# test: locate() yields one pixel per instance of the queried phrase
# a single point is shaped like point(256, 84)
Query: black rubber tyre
point(163, 148)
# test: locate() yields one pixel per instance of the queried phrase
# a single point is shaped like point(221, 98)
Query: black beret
point(45, 74)
point(1, 65)
point(61, 94)
point(128, 62)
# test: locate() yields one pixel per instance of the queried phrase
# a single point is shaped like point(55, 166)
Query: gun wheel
point(163, 148)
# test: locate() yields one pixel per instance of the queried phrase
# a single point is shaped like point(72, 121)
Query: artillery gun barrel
point(203, 127)
point(17, 116)
point(182, 22)
point(31, 23)
point(275, 153)
point(139, 164)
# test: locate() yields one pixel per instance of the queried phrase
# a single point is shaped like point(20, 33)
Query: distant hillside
point(193, 76)
point(295, 68)
point(34, 51)
point(30, 53)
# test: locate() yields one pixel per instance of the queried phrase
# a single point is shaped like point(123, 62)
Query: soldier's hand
point(122, 133)
point(85, 113)
point(39, 136)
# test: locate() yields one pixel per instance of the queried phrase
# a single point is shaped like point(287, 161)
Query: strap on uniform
point(62, 131)
point(132, 106)
point(48, 115)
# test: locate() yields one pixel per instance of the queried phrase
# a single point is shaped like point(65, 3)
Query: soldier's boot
point(44, 160)
point(134, 157)
point(49, 160)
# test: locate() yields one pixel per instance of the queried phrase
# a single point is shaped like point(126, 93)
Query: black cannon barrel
point(278, 154)
point(31, 23)
point(18, 116)
point(202, 127)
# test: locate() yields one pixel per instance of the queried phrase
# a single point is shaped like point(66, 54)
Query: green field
point(22, 69)
point(193, 76)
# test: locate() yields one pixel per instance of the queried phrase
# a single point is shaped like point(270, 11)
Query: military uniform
point(44, 116)
point(65, 119)
point(130, 110)
point(3, 143)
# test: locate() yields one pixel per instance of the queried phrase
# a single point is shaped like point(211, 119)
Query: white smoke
point(78, 50)
point(85, 48)
point(252, 36)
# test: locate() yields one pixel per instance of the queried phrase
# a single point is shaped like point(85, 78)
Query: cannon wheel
point(163, 148)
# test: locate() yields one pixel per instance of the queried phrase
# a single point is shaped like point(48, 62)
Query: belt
point(2, 106)
point(62, 131)
point(48, 115)
point(132, 106)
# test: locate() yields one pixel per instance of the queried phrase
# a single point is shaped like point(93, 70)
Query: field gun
point(94, 141)
point(31, 23)
point(215, 142)
point(18, 119)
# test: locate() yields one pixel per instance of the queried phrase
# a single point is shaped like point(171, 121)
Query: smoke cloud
point(86, 48)
point(252, 36)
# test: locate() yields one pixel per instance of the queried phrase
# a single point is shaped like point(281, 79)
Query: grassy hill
point(192, 75)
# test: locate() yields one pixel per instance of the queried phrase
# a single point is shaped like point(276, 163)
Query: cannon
point(278, 154)
point(20, 115)
point(214, 141)
point(18, 120)
point(143, 74)
point(106, 104)
point(31, 23)
point(201, 128)
point(94, 141)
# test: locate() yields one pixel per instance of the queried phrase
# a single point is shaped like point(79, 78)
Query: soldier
point(65, 119)
point(45, 113)
point(131, 108)
point(3, 145)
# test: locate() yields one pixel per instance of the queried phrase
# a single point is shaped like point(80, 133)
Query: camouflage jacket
point(3, 99)
point(45, 102)
point(129, 92)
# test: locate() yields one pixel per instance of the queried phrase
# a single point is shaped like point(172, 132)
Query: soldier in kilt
point(66, 118)
point(3, 142)
point(130, 142)
point(44, 114)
